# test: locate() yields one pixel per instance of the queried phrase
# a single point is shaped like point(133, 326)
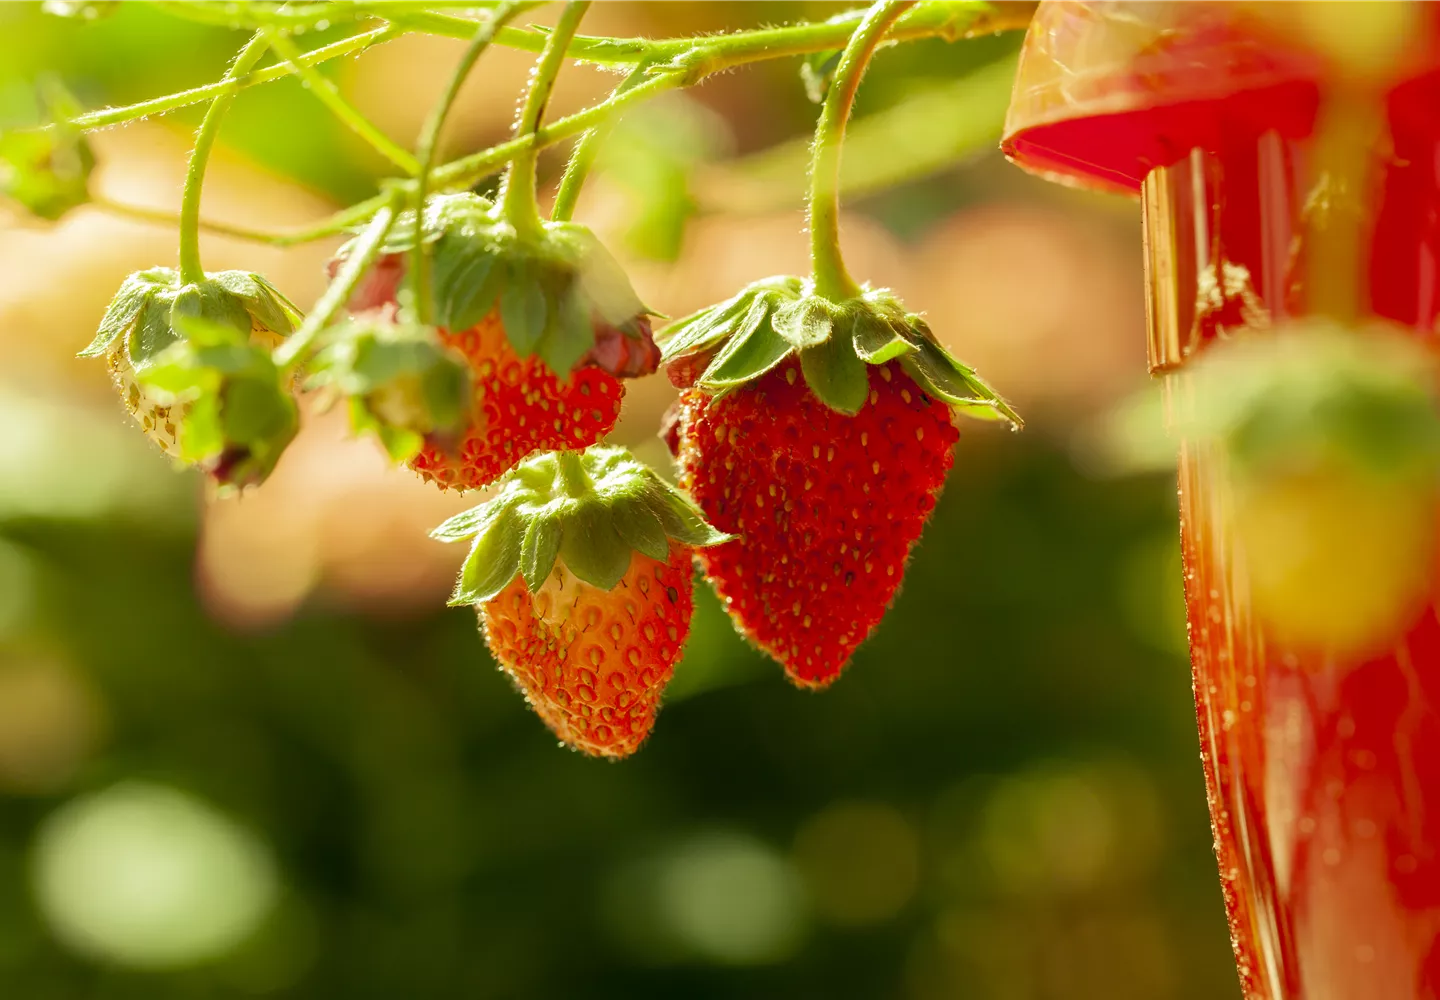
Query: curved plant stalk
point(429, 143)
point(291, 354)
point(329, 95)
point(518, 200)
point(699, 57)
point(190, 267)
point(827, 265)
point(681, 62)
point(582, 159)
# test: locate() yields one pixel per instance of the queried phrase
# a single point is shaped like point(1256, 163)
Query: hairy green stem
point(827, 265)
point(951, 19)
point(574, 480)
point(583, 156)
point(190, 267)
point(164, 217)
point(518, 200)
point(428, 145)
point(329, 95)
point(106, 117)
point(470, 169)
point(291, 354)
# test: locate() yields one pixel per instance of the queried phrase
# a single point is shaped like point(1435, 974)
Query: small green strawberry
point(192, 365)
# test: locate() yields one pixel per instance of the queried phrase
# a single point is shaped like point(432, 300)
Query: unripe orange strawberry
point(548, 325)
point(581, 572)
point(819, 434)
point(593, 663)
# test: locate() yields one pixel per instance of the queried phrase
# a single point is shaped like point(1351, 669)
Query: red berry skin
point(826, 507)
point(593, 663)
point(518, 407)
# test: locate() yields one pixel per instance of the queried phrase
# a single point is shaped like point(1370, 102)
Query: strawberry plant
point(488, 347)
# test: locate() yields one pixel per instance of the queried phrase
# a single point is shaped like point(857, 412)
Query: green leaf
point(201, 433)
point(601, 279)
point(683, 521)
point(400, 444)
point(569, 334)
point(466, 286)
point(272, 310)
point(700, 330)
point(120, 316)
point(593, 550)
point(946, 379)
point(255, 410)
point(878, 340)
point(215, 306)
point(466, 524)
point(641, 528)
point(836, 375)
point(523, 311)
point(152, 333)
point(804, 323)
point(745, 358)
point(538, 551)
point(493, 561)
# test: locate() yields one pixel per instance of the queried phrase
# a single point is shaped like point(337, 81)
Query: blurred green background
point(246, 751)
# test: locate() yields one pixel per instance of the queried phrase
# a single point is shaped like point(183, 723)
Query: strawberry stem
point(291, 354)
point(574, 480)
point(520, 205)
point(191, 269)
point(583, 158)
point(430, 142)
point(329, 95)
point(832, 280)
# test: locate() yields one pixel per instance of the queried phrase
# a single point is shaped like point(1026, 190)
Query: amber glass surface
point(1323, 772)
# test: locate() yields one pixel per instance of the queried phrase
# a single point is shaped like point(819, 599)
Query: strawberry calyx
point(238, 413)
point(192, 361)
point(154, 309)
point(398, 379)
point(559, 292)
point(735, 342)
point(589, 511)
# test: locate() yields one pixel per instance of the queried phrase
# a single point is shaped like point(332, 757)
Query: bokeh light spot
point(860, 861)
point(732, 899)
point(147, 876)
point(50, 722)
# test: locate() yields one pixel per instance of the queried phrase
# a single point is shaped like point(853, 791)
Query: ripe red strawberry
point(518, 407)
point(581, 572)
point(549, 329)
point(820, 435)
point(593, 663)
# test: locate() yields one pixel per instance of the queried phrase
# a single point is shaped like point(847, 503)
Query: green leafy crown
point(591, 509)
point(773, 319)
point(400, 381)
point(150, 311)
point(551, 291)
